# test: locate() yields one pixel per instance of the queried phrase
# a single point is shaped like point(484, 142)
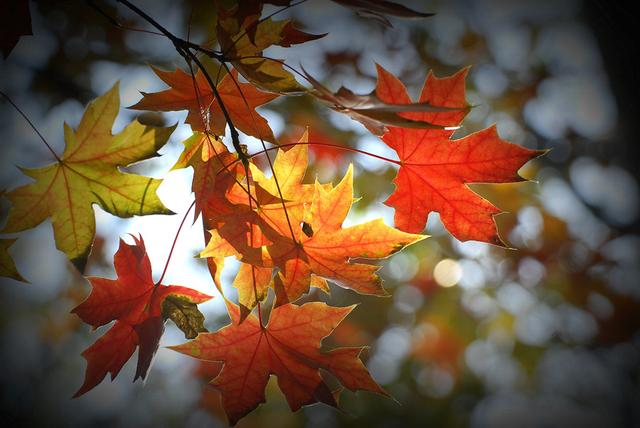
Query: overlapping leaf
point(435, 169)
point(241, 233)
point(139, 308)
point(243, 37)
point(215, 170)
point(195, 95)
point(88, 173)
point(375, 113)
point(218, 175)
point(322, 247)
point(289, 347)
point(307, 238)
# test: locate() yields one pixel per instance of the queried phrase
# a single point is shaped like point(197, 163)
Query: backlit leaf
point(289, 347)
point(205, 114)
point(139, 307)
point(435, 169)
point(89, 173)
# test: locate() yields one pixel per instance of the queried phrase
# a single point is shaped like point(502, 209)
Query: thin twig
point(113, 21)
point(264, 147)
point(55, 155)
point(311, 143)
point(258, 22)
point(175, 240)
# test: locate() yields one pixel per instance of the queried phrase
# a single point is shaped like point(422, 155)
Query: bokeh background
point(546, 335)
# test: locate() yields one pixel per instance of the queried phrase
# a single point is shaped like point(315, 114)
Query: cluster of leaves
point(287, 233)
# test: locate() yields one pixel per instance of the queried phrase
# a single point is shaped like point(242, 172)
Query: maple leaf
point(243, 37)
point(271, 214)
point(289, 347)
point(236, 234)
point(139, 308)
point(434, 169)
point(319, 246)
point(7, 266)
point(214, 171)
point(322, 247)
point(208, 156)
point(88, 173)
point(372, 111)
point(195, 95)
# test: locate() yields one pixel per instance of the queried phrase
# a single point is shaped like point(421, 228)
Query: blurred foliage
point(546, 333)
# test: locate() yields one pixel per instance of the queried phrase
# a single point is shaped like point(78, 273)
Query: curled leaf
point(377, 9)
point(374, 113)
point(243, 37)
point(185, 315)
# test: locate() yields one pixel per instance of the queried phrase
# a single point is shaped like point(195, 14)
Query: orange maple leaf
point(322, 247)
point(289, 347)
point(214, 172)
point(236, 229)
point(306, 240)
point(139, 308)
point(195, 95)
point(434, 169)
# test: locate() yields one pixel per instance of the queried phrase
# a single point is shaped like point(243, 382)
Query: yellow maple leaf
point(88, 173)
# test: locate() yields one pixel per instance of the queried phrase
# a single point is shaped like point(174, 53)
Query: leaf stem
point(264, 147)
point(15, 106)
point(253, 268)
point(113, 21)
point(175, 240)
point(311, 143)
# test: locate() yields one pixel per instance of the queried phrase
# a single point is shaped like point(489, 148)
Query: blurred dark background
point(473, 335)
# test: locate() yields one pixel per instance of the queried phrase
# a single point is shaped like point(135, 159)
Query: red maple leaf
point(434, 169)
point(139, 308)
point(289, 347)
